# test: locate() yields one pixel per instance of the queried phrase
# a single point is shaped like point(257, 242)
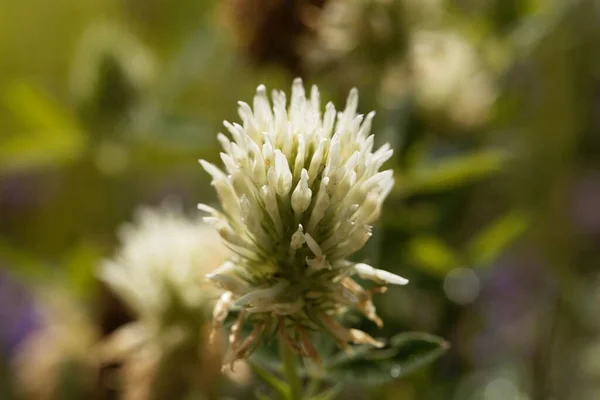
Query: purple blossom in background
point(28, 189)
point(586, 198)
point(18, 315)
point(514, 295)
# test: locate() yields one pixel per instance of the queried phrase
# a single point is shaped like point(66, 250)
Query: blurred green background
point(492, 108)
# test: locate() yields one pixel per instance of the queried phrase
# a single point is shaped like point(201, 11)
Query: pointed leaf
point(53, 136)
point(37, 110)
point(432, 255)
point(450, 173)
point(260, 395)
point(496, 237)
point(80, 265)
point(278, 385)
point(330, 393)
point(371, 366)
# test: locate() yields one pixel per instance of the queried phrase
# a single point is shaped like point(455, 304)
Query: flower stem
point(288, 358)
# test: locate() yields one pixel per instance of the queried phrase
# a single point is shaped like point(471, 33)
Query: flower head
point(299, 194)
point(163, 255)
point(159, 274)
point(450, 78)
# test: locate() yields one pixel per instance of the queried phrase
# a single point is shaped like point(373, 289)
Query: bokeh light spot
point(461, 286)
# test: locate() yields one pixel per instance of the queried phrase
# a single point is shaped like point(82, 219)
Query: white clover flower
point(159, 273)
point(164, 254)
point(344, 26)
point(300, 192)
point(449, 76)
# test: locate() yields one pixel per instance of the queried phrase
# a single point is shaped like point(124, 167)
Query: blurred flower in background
point(270, 32)
point(354, 39)
point(55, 360)
point(111, 71)
point(111, 78)
point(18, 314)
point(406, 48)
point(449, 78)
point(159, 273)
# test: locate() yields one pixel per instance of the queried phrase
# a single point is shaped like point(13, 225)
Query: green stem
point(288, 358)
point(313, 387)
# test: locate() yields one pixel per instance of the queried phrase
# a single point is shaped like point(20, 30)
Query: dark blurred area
point(493, 111)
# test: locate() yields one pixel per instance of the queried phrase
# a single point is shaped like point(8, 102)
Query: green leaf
point(51, 134)
point(278, 385)
point(496, 237)
point(310, 390)
point(39, 149)
point(260, 395)
point(330, 393)
point(450, 173)
point(367, 365)
point(80, 265)
point(432, 255)
point(417, 349)
point(36, 110)
point(21, 263)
